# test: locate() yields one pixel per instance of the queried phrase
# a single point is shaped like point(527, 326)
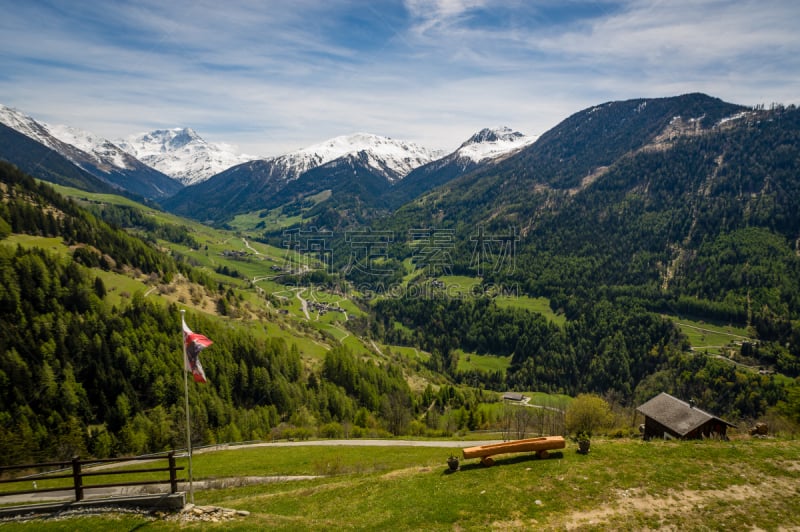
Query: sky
point(273, 76)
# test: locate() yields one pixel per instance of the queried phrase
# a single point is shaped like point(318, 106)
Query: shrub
point(587, 413)
point(331, 430)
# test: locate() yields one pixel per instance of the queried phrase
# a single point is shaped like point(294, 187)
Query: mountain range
point(354, 172)
point(89, 153)
point(190, 176)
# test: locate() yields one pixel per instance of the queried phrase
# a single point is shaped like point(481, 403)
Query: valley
point(333, 311)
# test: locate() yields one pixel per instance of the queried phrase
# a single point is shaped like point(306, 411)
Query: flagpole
point(186, 396)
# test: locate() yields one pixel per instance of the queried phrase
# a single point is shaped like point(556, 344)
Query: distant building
point(513, 396)
point(668, 417)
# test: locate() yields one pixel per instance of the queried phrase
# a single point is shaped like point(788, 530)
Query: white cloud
point(273, 77)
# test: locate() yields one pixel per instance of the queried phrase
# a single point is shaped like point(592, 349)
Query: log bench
point(540, 446)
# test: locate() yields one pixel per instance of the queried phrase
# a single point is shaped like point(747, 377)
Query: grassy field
point(51, 244)
point(490, 363)
point(620, 484)
point(705, 336)
point(534, 304)
point(459, 285)
point(411, 353)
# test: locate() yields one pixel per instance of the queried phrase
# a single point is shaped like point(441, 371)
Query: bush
point(331, 430)
point(587, 413)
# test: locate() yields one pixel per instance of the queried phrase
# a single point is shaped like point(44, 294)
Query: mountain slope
point(182, 154)
point(573, 154)
point(38, 160)
point(98, 356)
point(94, 155)
point(679, 203)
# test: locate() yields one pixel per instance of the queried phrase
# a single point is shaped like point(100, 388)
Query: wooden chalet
point(667, 417)
point(513, 397)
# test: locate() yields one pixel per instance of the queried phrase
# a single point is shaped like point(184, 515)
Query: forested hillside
point(624, 213)
point(694, 215)
point(620, 351)
point(81, 376)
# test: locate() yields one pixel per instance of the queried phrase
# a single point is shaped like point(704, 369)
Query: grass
point(51, 244)
point(459, 285)
point(410, 353)
point(534, 304)
point(620, 484)
point(489, 363)
point(704, 336)
point(275, 218)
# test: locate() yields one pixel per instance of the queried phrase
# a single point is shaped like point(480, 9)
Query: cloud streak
point(275, 76)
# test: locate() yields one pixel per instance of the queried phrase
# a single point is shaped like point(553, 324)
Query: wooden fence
point(76, 470)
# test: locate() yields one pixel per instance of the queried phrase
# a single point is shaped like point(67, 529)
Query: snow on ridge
point(182, 154)
point(18, 121)
point(104, 150)
point(493, 143)
point(736, 116)
point(66, 139)
point(392, 157)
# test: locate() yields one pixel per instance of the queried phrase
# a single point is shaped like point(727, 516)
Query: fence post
point(77, 479)
point(173, 474)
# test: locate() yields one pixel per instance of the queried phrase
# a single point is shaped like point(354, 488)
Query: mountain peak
point(490, 143)
point(494, 135)
point(393, 158)
point(182, 153)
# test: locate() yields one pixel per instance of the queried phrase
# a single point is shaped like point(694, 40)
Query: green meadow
point(704, 336)
point(488, 363)
point(620, 485)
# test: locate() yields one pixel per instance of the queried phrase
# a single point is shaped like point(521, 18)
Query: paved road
point(359, 443)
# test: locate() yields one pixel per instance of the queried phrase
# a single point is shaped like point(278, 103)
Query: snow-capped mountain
point(94, 154)
point(182, 154)
point(493, 143)
point(392, 158)
point(486, 147)
point(364, 162)
point(26, 125)
point(78, 151)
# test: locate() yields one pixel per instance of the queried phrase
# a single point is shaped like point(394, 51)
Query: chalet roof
point(513, 396)
point(678, 416)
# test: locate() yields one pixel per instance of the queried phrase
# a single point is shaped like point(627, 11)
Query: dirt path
point(303, 302)
point(713, 331)
point(632, 503)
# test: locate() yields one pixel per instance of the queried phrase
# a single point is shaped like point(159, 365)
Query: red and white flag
point(193, 343)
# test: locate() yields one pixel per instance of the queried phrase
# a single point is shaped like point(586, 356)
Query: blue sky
point(274, 76)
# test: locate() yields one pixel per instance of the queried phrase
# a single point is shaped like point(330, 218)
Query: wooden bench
point(540, 446)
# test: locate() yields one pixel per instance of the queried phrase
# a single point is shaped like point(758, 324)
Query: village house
point(513, 397)
point(668, 417)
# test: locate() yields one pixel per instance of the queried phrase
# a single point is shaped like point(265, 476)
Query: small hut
point(668, 417)
point(513, 397)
